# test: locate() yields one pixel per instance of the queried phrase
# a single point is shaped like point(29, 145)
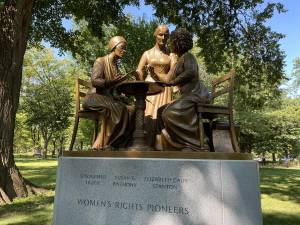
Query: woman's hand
point(122, 98)
point(153, 74)
point(119, 78)
point(137, 75)
point(115, 81)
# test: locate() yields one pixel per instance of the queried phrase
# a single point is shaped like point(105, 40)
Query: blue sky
point(286, 23)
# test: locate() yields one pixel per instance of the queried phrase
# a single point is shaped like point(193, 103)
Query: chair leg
point(234, 141)
point(209, 133)
point(201, 131)
point(96, 129)
point(74, 133)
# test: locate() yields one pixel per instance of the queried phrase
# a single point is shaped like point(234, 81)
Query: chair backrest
point(223, 85)
point(81, 88)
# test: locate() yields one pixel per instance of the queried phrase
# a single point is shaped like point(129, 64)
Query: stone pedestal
point(156, 191)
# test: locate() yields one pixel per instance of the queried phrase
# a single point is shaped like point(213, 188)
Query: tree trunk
point(54, 148)
point(286, 153)
point(35, 137)
point(61, 140)
point(46, 143)
point(15, 19)
point(273, 157)
point(46, 137)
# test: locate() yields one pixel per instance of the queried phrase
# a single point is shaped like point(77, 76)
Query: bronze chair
point(212, 111)
point(80, 92)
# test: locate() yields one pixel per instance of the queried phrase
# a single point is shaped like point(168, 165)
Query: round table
point(139, 89)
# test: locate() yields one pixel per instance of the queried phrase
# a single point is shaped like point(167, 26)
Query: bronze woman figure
point(160, 64)
point(160, 61)
point(105, 75)
point(179, 118)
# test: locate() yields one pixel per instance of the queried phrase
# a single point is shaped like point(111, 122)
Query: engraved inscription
point(124, 181)
point(167, 183)
point(148, 207)
point(93, 179)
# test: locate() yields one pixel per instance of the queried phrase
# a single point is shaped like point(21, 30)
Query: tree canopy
point(229, 33)
point(48, 16)
point(296, 77)
point(234, 34)
point(46, 97)
point(273, 130)
point(138, 33)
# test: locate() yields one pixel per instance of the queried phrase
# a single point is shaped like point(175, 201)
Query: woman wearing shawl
point(105, 76)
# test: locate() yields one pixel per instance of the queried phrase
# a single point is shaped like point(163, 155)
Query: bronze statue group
point(170, 124)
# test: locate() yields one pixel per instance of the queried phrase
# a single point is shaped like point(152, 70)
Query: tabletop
point(135, 87)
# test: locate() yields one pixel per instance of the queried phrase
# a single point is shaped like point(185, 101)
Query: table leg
point(139, 142)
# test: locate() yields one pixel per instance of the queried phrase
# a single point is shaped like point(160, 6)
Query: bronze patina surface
point(114, 113)
point(160, 154)
point(139, 89)
point(157, 64)
point(175, 126)
point(178, 120)
point(131, 87)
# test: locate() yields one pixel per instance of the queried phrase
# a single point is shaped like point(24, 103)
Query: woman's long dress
point(161, 63)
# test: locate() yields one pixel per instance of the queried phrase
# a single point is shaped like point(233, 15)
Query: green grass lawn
point(280, 194)
point(34, 210)
point(280, 190)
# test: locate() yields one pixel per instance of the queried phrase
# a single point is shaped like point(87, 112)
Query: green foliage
point(46, 96)
point(203, 74)
point(84, 135)
point(296, 77)
point(230, 34)
point(296, 70)
point(48, 16)
point(234, 34)
point(272, 130)
point(1, 5)
point(139, 36)
point(23, 137)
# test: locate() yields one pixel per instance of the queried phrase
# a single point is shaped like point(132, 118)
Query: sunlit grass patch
point(36, 209)
point(280, 194)
point(33, 210)
point(41, 172)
